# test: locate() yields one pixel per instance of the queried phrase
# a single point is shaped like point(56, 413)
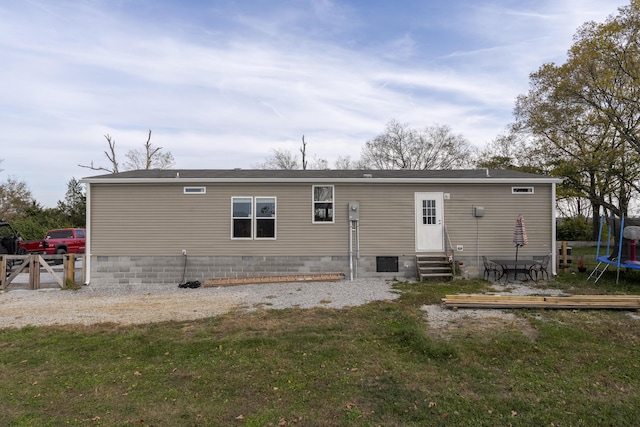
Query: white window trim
point(274, 218)
point(254, 218)
point(518, 190)
point(233, 218)
point(194, 190)
point(313, 204)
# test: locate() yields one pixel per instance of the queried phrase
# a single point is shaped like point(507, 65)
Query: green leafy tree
point(605, 65)
point(34, 221)
point(510, 151)
point(584, 114)
point(74, 205)
point(15, 197)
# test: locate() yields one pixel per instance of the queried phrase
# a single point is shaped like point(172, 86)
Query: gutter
point(545, 180)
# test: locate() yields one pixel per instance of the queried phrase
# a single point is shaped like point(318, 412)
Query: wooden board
point(230, 281)
point(626, 302)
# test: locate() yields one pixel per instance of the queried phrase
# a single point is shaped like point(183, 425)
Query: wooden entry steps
point(230, 281)
point(433, 266)
point(620, 302)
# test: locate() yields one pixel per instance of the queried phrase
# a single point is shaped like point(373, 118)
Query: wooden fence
point(14, 265)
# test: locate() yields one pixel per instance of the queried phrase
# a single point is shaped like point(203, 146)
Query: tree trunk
point(595, 220)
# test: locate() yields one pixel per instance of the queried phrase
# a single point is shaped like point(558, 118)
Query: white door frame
point(429, 221)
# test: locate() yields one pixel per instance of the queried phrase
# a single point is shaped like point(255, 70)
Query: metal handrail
point(450, 246)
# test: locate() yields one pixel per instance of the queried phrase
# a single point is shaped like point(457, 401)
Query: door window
point(428, 212)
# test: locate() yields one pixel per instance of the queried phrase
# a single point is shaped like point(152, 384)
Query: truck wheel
point(22, 251)
point(60, 251)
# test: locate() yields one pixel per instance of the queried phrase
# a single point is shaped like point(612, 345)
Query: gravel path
point(144, 304)
point(155, 303)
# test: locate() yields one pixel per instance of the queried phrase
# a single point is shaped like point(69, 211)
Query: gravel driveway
point(156, 303)
point(145, 304)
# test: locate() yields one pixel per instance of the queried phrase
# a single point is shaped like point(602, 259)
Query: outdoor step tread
point(437, 275)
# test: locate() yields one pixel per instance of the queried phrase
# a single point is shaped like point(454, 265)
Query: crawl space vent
point(386, 264)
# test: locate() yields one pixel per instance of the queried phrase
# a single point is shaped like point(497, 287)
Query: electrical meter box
point(354, 211)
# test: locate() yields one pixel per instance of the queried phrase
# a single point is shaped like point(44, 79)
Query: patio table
point(511, 266)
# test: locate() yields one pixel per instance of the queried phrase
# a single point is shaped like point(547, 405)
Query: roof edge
point(527, 180)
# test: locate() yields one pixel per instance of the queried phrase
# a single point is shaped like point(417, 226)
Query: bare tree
point(150, 157)
point(303, 151)
point(110, 155)
point(319, 163)
point(343, 163)
point(286, 159)
point(400, 147)
point(280, 158)
point(346, 163)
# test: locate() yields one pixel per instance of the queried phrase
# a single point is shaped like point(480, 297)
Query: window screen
point(323, 203)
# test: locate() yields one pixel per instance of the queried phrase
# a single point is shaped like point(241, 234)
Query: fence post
point(69, 269)
point(34, 270)
point(565, 260)
point(3, 268)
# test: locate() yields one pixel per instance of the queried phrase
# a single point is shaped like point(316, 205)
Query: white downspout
point(350, 250)
point(554, 247)
point(87, 245)
point(357, 246)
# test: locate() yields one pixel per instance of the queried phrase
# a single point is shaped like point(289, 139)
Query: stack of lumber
point(230, 281)
point(622, 302)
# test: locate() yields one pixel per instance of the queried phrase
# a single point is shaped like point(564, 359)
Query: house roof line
point(186, 181)
point(470, 176)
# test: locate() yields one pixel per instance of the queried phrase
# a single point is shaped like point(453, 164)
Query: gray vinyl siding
point(492, 234)
point(159, 220)
point(387, 218)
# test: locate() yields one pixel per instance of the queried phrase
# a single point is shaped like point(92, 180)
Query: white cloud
point(224, 88)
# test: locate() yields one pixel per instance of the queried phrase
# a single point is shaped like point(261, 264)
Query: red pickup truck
point(60, 241)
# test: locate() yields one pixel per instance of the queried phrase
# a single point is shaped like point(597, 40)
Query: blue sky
point(222, 83)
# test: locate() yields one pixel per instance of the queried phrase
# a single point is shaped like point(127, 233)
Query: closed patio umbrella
point(520, 234)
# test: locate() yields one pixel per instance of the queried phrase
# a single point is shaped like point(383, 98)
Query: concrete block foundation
point(126, 271)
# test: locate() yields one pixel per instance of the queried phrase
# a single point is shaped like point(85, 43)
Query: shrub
point(576, 228)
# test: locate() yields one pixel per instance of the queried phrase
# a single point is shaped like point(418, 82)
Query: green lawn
point(379, 364)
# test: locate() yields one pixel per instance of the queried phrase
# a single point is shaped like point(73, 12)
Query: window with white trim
point(250, 226)
point(265, 218)
point(195, 190)
point(323, 203)
point(521, 190)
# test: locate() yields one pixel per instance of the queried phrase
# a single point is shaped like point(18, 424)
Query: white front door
point(429, 225)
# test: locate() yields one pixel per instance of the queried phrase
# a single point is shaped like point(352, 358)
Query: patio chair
point(491, 268)
point(540, 269)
